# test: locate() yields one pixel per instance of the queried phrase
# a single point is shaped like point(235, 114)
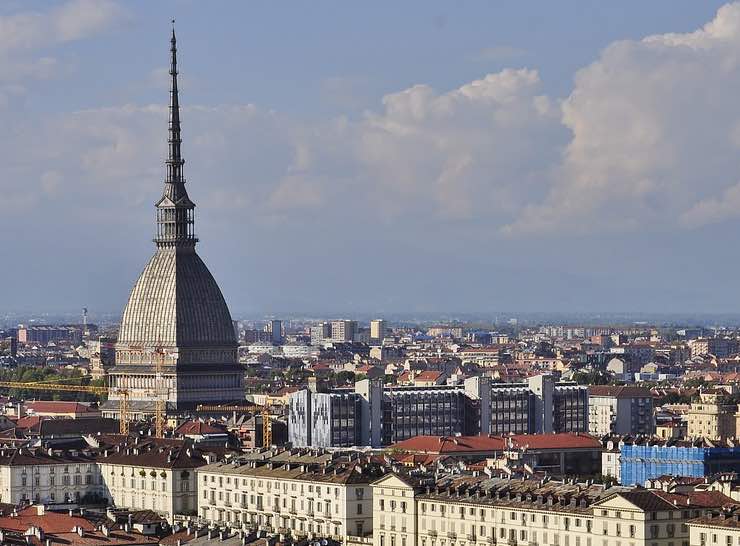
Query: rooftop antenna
point(84, 317)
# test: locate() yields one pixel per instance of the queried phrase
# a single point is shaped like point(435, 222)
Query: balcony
point(470, 538)
point(451, 534)
point(432, 532)
point(212, 502)
point(381, 525)
point(227, 503)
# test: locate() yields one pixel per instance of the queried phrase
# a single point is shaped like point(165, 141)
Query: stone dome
point(176, 303)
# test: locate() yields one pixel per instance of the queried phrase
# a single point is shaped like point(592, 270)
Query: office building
point(176, 317)
point(43, 334)
point(275, 329)
point(624, 409)
point(541, 405)
point(376, 415)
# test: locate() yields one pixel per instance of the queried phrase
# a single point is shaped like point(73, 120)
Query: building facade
point(376, 415)
point(620, 410)
point(144, 475)
point(300, 498)
point(468, 511)
point(343, 330)
point(711, 418)
point(377, 330)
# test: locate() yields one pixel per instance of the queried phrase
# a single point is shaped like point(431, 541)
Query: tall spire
point(174, 158)
point(175, 210)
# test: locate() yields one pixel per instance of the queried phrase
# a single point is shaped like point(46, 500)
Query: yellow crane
point(266, 427)
point(61, 387)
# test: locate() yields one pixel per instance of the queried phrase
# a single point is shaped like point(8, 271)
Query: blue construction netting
point(643, 462)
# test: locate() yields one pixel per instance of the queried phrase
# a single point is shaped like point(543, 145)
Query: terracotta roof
point(28, 422)
point(646, 500)
point(428, 375)
point(697, 499)
point(51, 522)
point(285, 391)
point(619, 391)
point(465, 444)
point(54, 406)
point(198, 427)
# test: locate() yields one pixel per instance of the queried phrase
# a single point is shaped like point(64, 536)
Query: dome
point(177, 303)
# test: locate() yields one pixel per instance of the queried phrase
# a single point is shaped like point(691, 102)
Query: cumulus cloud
point(648, 138)
point(653, 134)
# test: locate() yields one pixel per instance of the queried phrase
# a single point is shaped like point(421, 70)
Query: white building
point(150, 474)
point(332, 498)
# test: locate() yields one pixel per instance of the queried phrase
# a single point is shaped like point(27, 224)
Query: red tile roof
point(198, 427)
point(28, 422)
point(428, 375)
point(50, 522)
point(619, 391)
point(698, 499)
point(487, 443)
point(58, 406)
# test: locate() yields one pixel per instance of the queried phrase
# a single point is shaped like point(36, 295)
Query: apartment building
point(475, 510)
point(711, 418)
point(717, 528)
point(143, 474)
point(152, 475)
point(378, 329)
point(624, 409)
point(343, 330)
point(49, 476)
point(326, 497)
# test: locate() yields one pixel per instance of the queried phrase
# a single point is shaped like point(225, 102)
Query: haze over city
point(414, 157)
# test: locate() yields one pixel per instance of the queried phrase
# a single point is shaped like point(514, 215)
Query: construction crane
point(160, 394)
point(61, 387)
point(266, 427)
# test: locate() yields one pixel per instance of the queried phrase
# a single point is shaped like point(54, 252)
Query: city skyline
point(502, 177)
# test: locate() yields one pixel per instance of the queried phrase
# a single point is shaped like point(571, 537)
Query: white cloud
point(653, 125)
point(23, 34)
point(648, 139)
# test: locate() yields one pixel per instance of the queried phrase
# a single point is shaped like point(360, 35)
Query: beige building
point(145, 475)
point(469, 511)
point(377, 329)
point(332, 498)
point(716, 529)
point(711, 418)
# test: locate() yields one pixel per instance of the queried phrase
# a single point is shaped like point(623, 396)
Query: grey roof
point(176, 302)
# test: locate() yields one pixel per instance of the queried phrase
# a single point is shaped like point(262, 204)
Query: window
point(359, 508)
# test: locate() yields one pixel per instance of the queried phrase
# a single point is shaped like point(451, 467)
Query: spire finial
point(175, 209)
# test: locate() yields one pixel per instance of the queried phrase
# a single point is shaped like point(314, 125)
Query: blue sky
point(399, 156)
